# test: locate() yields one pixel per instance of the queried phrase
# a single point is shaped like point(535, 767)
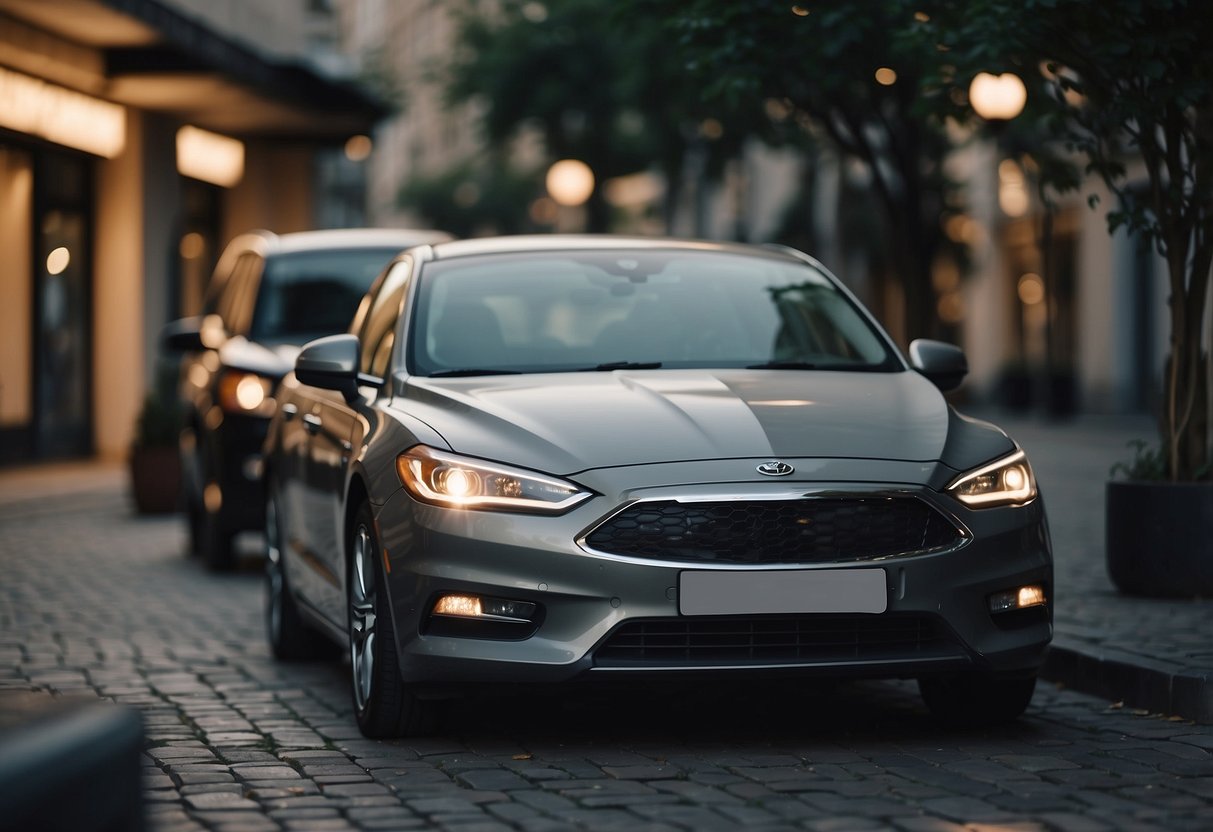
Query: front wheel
point(384, 705)
point(976, 700)
point(215, 542)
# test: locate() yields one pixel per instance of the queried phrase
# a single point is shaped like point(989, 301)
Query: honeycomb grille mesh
point(821, 639)
point(818, 530)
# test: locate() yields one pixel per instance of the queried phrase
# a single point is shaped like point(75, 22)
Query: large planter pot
point(155, 479)
point(1160, 538)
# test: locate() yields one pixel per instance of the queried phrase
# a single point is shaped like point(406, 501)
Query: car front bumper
point(604, 615)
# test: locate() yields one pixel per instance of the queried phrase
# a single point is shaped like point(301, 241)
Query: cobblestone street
point(97, 601)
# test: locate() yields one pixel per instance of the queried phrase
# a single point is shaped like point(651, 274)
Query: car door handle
point(311, 423)
point(289, 411)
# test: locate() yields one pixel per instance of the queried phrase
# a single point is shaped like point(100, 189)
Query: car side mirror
point(204, 332)
point(331, 363)
point(943, 364)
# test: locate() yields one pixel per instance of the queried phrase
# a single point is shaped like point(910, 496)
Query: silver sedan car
point(548, 459)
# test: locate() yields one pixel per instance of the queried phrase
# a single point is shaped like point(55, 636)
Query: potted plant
point(155, 466)
point(1159, 531)
point(1127, 92)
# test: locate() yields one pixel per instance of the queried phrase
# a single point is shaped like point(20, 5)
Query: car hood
point(273, 360)
point(567, 423)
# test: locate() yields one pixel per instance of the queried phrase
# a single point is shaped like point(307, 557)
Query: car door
point(336, 429)
point(291, 480)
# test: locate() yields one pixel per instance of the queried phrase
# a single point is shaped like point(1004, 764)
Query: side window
point(235, 302)
point(378, 333)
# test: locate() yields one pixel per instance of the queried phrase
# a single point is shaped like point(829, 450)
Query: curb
point(1138, 683)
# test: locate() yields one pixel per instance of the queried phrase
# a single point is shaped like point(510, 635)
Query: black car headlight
point(1005, 482)
point(453, 481)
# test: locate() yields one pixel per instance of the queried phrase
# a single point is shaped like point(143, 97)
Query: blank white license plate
point(784, 591)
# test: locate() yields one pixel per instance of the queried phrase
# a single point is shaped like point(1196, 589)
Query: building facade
point(136, 138)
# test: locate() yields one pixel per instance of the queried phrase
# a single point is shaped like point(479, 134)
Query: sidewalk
point(1150, 654)
point(1145, 653)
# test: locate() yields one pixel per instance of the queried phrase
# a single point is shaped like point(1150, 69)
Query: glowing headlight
point(1007, 481)
point(454, 481)
point(246, 393)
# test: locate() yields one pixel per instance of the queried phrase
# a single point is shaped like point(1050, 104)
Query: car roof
point(583, 242)
point(337, 238)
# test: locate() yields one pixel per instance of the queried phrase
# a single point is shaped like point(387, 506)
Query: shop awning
point(148, 55)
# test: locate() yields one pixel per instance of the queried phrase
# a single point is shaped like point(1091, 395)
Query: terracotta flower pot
point(1160, 538)
point(155, 479)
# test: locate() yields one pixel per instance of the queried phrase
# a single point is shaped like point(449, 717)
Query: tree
point(1131, 82)
point(873, 77)
point(489, 197)
point(599, 82)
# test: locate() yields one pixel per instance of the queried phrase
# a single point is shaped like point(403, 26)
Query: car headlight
point(1004, 482)
point(246, 393)
point(453, 481)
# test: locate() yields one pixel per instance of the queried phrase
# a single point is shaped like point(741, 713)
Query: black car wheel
point(209, 539)
point(215, 542)
point(976, 700)
point(383, 703)
point(191, 487)
point(290, 638)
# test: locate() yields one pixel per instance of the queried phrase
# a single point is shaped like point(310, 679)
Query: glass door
point(63, 304)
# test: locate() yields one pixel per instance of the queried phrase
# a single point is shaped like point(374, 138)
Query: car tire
point(290, 638)
point(191, 491)
point(976, 700)
point(193, 519)
point(384, 704)
point(215, 542)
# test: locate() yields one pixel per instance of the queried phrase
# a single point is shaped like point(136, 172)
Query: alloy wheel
point(362, 617)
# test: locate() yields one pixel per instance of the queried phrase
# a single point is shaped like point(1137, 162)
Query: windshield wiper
point(784, 365)
point(626, 365)
point(472, 371)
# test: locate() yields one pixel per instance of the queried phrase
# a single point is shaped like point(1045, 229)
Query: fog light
point(1032, 595)
point(475, 606)
point(466, 605)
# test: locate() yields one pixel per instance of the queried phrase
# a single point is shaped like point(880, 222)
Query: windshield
point(309, 294)
point(567, 311)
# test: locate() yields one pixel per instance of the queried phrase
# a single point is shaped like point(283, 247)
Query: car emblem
point(775, 469)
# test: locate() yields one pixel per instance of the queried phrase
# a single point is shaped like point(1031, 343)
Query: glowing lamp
point(997, 97)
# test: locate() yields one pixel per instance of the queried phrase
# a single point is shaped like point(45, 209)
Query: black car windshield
point(309, 294)
point(615, 310)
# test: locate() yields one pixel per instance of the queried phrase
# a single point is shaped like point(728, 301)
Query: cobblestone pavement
point(1151, 652)
point(96, 601)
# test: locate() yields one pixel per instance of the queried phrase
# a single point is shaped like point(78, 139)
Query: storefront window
point(16, 351)
point(198, 248)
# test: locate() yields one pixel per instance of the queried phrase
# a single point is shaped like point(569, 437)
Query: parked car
point(541, 459)
point(269, 294)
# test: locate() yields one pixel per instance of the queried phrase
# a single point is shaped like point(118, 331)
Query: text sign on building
point(63, 116)
point(209, 156)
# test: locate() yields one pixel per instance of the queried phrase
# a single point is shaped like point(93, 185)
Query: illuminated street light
point(570, 182)
point(358, 148)
point(997, 97)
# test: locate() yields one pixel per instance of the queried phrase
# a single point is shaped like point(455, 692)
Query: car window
point(555, 311)
point(378, 331)
point(310, 294)
point(243, 291)
point(231, 298)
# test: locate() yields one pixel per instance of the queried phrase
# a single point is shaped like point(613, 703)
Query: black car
point(269, 294)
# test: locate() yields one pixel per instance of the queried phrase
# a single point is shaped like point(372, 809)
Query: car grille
point(766, 640)
point(817, 530)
